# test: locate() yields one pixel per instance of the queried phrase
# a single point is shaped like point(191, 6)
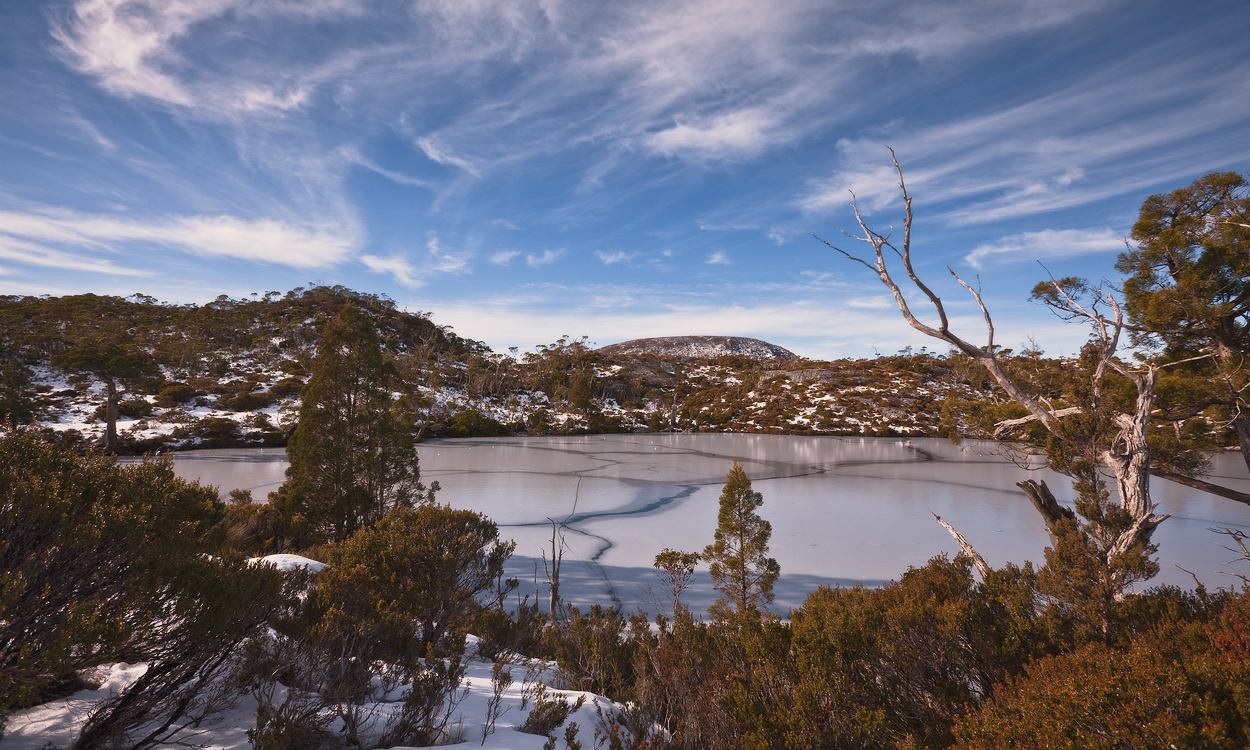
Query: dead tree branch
point(965, 547)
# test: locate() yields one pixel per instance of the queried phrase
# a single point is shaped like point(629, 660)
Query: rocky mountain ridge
point(700, 347)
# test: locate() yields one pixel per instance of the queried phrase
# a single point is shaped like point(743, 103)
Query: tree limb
point(1044, 500)
point(965, 547)
point(1007, 424)
point(1200, 484)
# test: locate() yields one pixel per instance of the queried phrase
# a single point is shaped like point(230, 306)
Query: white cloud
point(807, 327)
point(124, 45)
point(444, 261)
point(872, 303)
point(34, 254)
point(441, 156)
point(1048, 243)
point(265, 240)
point(548, 256)
point(137, 48)
point(504, 257)
point(779, 236)
point(741, 133)
point(611, 258)
point(1120, 130)
point(396, 266)
point(717, 258)
point(353, 156)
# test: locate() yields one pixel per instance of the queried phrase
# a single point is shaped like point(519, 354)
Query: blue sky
point(525, 169)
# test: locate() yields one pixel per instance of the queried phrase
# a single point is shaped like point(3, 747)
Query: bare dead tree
point(1239, 538)
point(552, 572)
point(1126, 457)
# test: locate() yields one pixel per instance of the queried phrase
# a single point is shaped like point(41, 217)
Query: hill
point(700, 347)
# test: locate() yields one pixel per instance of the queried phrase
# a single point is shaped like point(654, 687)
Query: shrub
point(217, 432)
point(287, 387)
point(471, 423)
point(417, 575)
point(173, 394)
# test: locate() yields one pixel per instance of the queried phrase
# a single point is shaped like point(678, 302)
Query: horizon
point(528, 171)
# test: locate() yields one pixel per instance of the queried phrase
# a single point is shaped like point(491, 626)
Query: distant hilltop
point(700, 347)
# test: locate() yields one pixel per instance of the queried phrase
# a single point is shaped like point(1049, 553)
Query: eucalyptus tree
point(1100, 423)
point(117, 361)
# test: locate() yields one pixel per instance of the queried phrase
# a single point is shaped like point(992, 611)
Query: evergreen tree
point(17, 407)
point(1189, 293)
point(741, 568)
point(352, 459)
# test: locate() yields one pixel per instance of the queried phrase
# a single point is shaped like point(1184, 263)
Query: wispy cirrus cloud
point(1071, 147)
point(1048, 243)
point(444, 261)
point(437, 154)
point(262, 240)
point(34, 254)
point(730, 134)
point(717, 258)
point(396, 266)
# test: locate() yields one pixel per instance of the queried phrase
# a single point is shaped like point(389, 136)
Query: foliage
point(1185, 690)
point(741, 569)
point(472, 423)
point(103, 563)
point(17, 402)
point(594, 652)
point(549, 712)
point(86, 546)
point(115, 361)
point(677, 570)
point(413, 581)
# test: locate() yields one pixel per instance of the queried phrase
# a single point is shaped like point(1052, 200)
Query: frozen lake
point(843, 510)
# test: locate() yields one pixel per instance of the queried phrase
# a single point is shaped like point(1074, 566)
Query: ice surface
point(843, 510)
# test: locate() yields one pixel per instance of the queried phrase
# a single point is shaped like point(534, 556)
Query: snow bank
point(288, 562)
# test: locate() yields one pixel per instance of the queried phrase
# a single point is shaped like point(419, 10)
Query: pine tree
point(352, 459)
point(741, 568)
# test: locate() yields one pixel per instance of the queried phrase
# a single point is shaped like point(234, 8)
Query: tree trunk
point(1044, 500)
point(1241, 422)
point(1129, 461)
point(111, 443)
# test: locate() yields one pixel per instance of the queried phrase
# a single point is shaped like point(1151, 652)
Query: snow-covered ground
point(55, 724)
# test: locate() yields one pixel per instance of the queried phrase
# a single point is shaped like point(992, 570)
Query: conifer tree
point(741, 568)
point(352, 459)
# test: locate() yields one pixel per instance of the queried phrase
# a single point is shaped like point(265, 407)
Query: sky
point(527, 169)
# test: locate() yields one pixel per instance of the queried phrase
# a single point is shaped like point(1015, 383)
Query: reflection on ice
point(842, 509)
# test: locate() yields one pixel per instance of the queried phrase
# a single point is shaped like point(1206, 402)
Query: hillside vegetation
point(230, 373)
